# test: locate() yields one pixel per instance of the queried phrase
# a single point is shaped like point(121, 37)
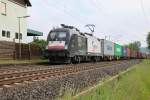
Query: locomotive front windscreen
point(57, 36)
point(58, 40)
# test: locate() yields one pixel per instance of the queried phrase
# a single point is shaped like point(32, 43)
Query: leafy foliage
point(134, 46)
point(148, 40)
point(41, 43)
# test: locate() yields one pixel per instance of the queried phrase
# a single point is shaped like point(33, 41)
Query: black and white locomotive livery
point(68, 44)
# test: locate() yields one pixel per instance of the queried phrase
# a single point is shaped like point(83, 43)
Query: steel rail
point(8, 79)
point(23, 73)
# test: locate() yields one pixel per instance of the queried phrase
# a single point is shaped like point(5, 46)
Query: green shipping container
point(118, 50)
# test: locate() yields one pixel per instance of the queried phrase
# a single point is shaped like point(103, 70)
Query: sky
point(124, 21)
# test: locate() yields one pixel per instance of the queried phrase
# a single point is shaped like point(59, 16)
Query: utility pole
point(19, 24)
point(19, 39)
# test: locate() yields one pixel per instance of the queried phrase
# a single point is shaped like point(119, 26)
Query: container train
point(68, 44)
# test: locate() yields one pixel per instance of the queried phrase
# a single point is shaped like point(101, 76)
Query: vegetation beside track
point(133, 85)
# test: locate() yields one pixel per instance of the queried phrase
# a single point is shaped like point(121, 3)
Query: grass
point(3, 62)
point(133, 85)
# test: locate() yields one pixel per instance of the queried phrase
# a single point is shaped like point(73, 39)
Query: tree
point(41, 43)
point(148, 40)
point(135, 45)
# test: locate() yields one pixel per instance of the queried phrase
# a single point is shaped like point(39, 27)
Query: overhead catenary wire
point(99, 9)
point(96, 3)
point(137, 35)
point(144, 13)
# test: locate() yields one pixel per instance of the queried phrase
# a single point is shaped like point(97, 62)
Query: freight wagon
point(124, 52)
point(108, 49)
point(118, 51)
point(133, 54)
point(128, 53)
point(139, 55)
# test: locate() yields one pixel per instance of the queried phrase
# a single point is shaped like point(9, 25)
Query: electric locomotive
point(66, 44)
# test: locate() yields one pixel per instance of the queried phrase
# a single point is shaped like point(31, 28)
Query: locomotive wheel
point(96, 59)
point(79, 60)
point(76, 60)
point(69, 61)
point(49, 60)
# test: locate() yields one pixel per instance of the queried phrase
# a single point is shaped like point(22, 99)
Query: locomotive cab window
point(81, 42)
point(73, 42)
point(62, 35)
point(57, 36)
point(53, 35)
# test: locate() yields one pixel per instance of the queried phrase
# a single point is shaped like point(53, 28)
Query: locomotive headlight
point(65, 46)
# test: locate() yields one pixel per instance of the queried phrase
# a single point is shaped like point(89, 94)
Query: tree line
point(148, 40)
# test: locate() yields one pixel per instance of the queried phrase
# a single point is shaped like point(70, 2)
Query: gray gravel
point(56, 87)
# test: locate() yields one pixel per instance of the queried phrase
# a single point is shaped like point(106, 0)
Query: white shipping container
point(108, 48)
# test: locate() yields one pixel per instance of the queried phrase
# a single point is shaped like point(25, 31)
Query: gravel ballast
point(56, 87)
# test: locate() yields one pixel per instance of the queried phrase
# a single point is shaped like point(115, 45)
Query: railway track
point(23, 75)
point(17, 68)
